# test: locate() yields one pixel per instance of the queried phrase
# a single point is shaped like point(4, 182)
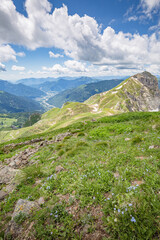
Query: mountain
point(10, 103)
point(20, 89)
point(83, 92)
point(63, 84)
point(35, 81)
point(138, 93)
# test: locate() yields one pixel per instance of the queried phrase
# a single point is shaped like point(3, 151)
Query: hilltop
point(137, 93)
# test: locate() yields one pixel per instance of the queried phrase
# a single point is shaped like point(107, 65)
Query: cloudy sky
point(51, 38)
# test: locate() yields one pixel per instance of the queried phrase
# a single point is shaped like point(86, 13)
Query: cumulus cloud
point(2, 67)
point(80, 38)
point(17, 68)
point(53, 55)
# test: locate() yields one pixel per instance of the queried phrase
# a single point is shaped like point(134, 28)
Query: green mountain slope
point(83, 92)
point(138, 93)
point(11, 104)
point(20, 90)
point(91, 180)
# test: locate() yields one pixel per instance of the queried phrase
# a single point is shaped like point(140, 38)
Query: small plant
point(20, 218)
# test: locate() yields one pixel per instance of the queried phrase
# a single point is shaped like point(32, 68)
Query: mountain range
point(20, 90)
point(137, 93)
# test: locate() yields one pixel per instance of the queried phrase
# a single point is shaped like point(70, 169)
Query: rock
point(15, 230)
point(3, 195)
point(61, 136)
point(41, 201)
point(59, 168)
point(7, 174)
point(25, 207)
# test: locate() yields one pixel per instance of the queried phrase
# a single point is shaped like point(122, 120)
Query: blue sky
point(77, 38)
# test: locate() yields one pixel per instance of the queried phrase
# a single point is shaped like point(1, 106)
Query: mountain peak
point(148, 80)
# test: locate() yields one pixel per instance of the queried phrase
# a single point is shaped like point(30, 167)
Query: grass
point(109, 185)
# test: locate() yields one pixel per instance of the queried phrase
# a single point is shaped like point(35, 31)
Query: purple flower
point(133, 219)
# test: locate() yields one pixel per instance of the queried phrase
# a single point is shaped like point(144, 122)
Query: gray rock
point(41, 201)
point(25, 207)
point(3, 195)
point(7, 174)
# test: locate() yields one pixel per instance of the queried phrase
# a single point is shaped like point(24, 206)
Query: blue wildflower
point(133, 219)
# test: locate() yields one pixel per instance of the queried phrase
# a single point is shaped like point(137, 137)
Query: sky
point(54, 38)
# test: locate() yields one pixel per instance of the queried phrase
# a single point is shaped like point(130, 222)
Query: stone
point(61, 136)
point(25, 207)
point(7, 174)
point(3, 195)
point(41, 201)
point(59, 168)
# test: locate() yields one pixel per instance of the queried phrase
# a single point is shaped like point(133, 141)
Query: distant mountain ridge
point(82, 92)
point(20, 90)
point(10, 103)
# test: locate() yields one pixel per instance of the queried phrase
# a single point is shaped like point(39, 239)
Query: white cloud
point(21, 54)
point(2, 67)
point(150, 5)
point(75, 66)
point(17, 68)
point(53, 55)
point(133, 18)
point(80, 38)
point(7, 53)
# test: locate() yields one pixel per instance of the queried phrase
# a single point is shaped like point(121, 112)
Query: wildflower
point(51, 214)
point(119, 210)
point(126, 209)
point(56, 216)
point(93, 197)
point(115, 219)
point(114, 209)
point(51, 233)
point(108, 198)
point(122, 212)
point(130, 204)
point(133, 219)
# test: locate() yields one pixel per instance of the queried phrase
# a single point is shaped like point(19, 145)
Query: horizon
point(92, 39)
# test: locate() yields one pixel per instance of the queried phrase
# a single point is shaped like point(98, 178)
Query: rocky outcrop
point(22, 210)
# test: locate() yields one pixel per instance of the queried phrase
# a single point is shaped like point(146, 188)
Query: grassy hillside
point(83, 92)
point(12, 104)
point(20, 90)
point(100, 182)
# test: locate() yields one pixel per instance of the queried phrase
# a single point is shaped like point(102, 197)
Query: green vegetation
point(12, 104)
point(11, 121)
point(108, 186)
point(83, 92)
